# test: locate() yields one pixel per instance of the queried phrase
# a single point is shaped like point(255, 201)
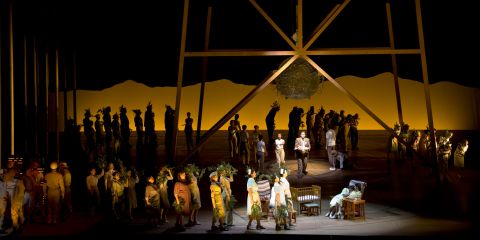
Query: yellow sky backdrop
point(454, 106)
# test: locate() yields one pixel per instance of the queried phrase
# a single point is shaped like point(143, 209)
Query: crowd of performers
point(340, 132)
point(420, 146)
point(112, 182)
point(21, 193)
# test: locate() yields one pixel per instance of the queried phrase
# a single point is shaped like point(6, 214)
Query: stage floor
point(401, 199)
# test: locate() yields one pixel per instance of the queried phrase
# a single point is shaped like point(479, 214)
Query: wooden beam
point(179, 80)
point(346, 92)
point(239, 53)
point(320, 51)
point(329, 15)
point(300, 24)
point(426, 86)
point(360, 51)
point(12, 84)
point(273, 24)
point(204, 75)
point(394, 62)
point(327, 23)
point(240, 105)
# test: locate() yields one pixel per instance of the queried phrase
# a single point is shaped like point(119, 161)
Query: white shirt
point(279, 143)
point(286, 185)
point(330, 137)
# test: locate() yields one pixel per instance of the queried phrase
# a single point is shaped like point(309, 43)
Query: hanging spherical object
point(299, 81)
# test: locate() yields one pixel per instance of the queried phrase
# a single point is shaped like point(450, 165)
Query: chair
point(264, 193)
point(355, 208)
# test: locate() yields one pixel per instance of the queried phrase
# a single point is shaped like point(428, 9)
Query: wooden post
point(179, 80)
point(394, 63)
point(26, 133)
point(1, 106)
point(57, 127)
point(204, 74)
point(74, 92)
point(299, 24)
point(47, 78)
point(12, 93)
point(35, 92)
point(426, 86)
point(65, 101)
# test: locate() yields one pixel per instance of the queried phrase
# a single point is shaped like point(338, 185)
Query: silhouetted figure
point(169, 128)
point(125, 135)
point(116, 135)
point(99, 134)
point(354, 131)
point(297, 122)
point(270, 121)
point(124, 127)
point(107, 125)
point(232, 139)
point(189, 131)
point(150, 136)
point(318, 127)
point(341, 137)
point(89, 132)
point(238, 128)
point(309, 121)
point(138, 127)
point(291, 126)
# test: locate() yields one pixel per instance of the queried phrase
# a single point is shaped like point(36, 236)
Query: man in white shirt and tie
point(302, 148)
point(279, 151)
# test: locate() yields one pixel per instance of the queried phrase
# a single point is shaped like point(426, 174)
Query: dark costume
point(150, 136)
point(270, 121)
point(88, 131)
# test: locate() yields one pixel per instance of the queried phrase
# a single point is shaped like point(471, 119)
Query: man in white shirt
point(330, 146)
point(302, 148)
point(279, 151)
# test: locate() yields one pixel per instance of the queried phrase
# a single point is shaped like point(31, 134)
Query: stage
point(401, 197)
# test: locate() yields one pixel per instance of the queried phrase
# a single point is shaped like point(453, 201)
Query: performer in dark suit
point(302, 148)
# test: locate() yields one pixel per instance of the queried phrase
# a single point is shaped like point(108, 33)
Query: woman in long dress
point(217, 203)
point(279, 205)
point(196, 202)
point(182, 199)
point(131, 193)
point(152, 201)
point(253, 199)
point(164, 177)
point(288, 195)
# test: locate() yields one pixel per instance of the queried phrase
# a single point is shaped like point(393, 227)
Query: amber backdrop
point(454, 106)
